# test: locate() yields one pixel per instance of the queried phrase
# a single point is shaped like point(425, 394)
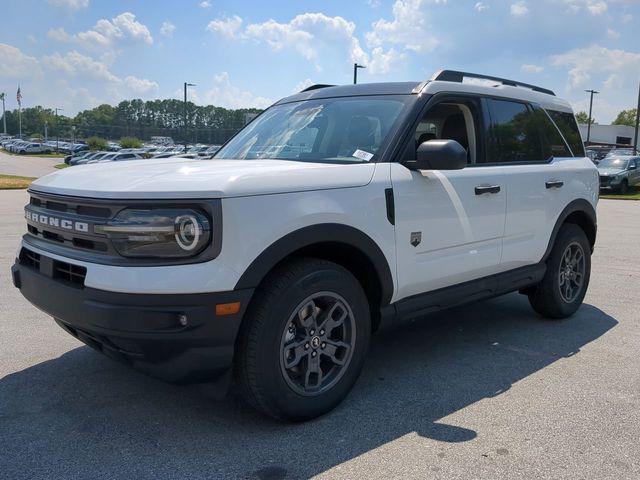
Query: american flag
point(19, 97)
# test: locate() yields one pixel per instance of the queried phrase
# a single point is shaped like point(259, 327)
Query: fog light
point(183, 320)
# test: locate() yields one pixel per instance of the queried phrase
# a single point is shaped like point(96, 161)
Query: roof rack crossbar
point(315, 87)
point(455, 76)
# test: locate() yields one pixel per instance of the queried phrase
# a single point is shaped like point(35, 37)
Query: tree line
point(135, 118)
point(625, 117)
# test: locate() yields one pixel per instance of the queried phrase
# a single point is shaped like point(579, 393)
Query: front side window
point(339, 130)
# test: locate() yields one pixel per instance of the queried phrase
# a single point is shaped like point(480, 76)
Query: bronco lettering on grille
point(56, 222)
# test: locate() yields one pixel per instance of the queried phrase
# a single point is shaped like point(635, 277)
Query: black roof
point(387, 88)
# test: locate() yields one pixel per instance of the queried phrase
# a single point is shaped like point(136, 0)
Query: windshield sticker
point(362, 155)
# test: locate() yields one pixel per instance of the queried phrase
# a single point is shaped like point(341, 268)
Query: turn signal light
point(227, 308)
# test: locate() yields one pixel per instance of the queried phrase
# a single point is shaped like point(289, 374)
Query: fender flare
point(580, 205)
point(314, 234)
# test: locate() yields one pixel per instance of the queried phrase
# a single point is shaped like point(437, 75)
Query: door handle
point(487, 189)
point(553, 184)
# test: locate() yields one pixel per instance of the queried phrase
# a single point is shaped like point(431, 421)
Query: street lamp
point(4, 117)
point(592, 92)
point(185, 112)
point(355, 72)
point(57, 128)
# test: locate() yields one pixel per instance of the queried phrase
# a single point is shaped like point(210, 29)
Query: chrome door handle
point(553, 184)
point(487, 189)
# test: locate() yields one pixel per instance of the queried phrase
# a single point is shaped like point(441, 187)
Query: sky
point(77, 54)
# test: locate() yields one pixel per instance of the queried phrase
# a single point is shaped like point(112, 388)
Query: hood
point(174, 178)
point(609, 171)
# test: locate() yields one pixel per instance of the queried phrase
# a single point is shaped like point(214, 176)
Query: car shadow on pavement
point(83, 416)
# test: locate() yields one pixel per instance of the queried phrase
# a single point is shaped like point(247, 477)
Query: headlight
point(159, 233)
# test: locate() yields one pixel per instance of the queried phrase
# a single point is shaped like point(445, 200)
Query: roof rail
point(455, 76)
point(315, 87)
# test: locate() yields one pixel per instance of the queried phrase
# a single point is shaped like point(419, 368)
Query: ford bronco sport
point(337, 212)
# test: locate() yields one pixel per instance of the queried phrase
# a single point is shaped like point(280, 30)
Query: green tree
point(96, 143)
point(626, 117)
point(130, 142)
point(583, 118)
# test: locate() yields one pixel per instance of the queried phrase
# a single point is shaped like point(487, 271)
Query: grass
point(633, 194)
point(60, 165)
point(13, 182)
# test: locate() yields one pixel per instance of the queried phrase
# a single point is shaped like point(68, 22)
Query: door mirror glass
point(439, 155)
point(632, 166)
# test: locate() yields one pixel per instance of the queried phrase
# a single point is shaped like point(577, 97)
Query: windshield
point(620, 151)
point(327, 130)
point(614, 162)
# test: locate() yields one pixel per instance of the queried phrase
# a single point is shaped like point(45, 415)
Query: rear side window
point(514, 133)
point(553, 143)
point(567, 124)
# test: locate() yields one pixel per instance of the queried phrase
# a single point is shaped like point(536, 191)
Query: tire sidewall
point(279, 394)
point(569, 234)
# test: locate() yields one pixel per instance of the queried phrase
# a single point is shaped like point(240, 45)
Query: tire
point(274, 324)
point(551, 297)
point(624, 187)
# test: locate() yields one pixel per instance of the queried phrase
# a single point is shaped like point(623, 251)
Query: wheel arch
point(342, 244)
point(581, 213)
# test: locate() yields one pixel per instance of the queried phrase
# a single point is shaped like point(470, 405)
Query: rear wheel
point(565, 283)
point(304, 340)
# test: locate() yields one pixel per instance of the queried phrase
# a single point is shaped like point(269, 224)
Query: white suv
point(336, 213)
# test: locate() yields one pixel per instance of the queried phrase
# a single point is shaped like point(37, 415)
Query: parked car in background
point(619, 173)
point(117, 157)
point(31, 147)
point(94, 156)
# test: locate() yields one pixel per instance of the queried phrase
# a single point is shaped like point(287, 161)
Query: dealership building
point(609, 134)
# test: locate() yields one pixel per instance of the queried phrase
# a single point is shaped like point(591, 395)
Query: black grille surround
point(65, 225)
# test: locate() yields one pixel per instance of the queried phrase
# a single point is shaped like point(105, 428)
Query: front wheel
point(624, 187)
point(562, 290)
point(304, 340)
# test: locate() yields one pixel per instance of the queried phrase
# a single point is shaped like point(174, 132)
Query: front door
point(449, 223)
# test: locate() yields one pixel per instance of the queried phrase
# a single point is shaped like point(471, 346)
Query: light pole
point(635, 138)
point(185, 112)
point(57, 128)
point(4, 116)
point(592, 92)
point(355, 72)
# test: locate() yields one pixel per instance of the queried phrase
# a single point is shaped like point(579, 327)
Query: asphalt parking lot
point(483, 391)
point(26, 166)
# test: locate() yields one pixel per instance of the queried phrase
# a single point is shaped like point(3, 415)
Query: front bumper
point(142, 330)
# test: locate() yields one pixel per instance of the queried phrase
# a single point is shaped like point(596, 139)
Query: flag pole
point(4, 115)
point(19, 99)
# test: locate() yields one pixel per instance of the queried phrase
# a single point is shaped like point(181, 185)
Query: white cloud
point(225, 27)
point(626, 18)
point(75, 63)
point(205, 4)
point(167, 29)
point(519, 9)
point(70, 4)
point(140, 85)
point(16, 65)
point(613, 34)
point(314, 36)
point(530, 68)
point(481, 7)
point(307, 82)
point(223, 93)
point(106, 33)
point(409, 27)
point(582, 63)
point(383, 62)
point(594, 7)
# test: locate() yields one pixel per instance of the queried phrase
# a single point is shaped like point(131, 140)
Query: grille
point(30, 259)
point(48, 213)
point(69, 273)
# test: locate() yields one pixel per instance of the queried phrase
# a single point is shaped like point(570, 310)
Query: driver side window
point(449, 120)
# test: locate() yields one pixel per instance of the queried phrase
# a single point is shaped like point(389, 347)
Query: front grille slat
point(50, 211)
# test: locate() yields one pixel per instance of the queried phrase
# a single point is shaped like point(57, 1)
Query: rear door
point(538, 165)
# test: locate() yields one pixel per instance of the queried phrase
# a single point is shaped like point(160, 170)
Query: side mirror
point(632, 167)
point(439, 155)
